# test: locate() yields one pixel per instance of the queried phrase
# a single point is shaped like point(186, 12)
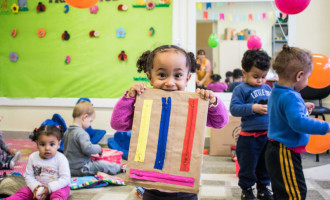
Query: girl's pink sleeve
point(217, 117)
point(122, 114)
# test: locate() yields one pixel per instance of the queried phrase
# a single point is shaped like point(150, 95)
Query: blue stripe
point(163, 133)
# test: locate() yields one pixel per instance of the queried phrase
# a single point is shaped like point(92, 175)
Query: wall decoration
point(4, 6)
point(122, 7)
point(81, 3)
point(67, 59)
point(93, 33)
point(41, 33)
point(65, 35)
point(66, 8)
point(95, 59)
point(150, 4)
point(14, 8)
point(13, 57)
point(120, 32)
point(41, 7)
point(22, 4)
point(14, 32)
point(122, 56)
point(94, 9)
point(151, 31)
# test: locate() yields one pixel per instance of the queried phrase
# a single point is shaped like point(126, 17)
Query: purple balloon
point(254, 42)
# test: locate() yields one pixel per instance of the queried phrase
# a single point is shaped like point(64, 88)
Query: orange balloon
point(81, 3)
point(318, 143)
point(320, 77)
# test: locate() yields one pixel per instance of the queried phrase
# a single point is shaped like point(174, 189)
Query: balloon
point(320, 77)
point(292, 6)
point(81, 3)
point(254, 42)
point(318, 143)
point(213, 40)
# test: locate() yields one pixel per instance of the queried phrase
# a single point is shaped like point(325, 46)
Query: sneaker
point(247, 194)
point(16, 157)
point(11, 164)
point(265, 194)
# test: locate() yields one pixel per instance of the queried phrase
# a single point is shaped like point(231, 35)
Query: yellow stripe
point(294, 179)
point(144, 131)
point(283, 173)
point(288, 173)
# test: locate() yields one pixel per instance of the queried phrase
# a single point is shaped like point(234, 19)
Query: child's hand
point(136, 89)
point(11, 152)
point(207, 95)
point(1, 117)
point(259, 108)
point(41, 195)
point(309, 106)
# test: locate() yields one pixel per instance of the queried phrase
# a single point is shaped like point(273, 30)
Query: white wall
point(313, 33)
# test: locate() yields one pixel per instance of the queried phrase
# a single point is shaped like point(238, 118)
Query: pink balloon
point(292, 6)
point(254, 42)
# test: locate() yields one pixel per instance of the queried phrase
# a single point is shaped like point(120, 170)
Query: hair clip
point(58, 126)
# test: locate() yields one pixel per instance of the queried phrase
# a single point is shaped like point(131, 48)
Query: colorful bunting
point(214, 15)
point(264, 16)
point(250, 17)
point(208, 6)
point(220, 4)
point(222, 16)
point(257, 16)
point(205, 15)
point(236, 17)
point(199, 6)
point(230, 17)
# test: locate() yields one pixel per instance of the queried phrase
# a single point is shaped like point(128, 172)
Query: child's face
point(47, 146)
point(87, 120)
point(201, 56)
point(169, 71)
point(255, 77)
point(302, 82)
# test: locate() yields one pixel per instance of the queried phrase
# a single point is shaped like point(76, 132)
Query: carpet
point(26, 147)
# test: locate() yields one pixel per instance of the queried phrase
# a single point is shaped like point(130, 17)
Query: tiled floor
point(220, 183)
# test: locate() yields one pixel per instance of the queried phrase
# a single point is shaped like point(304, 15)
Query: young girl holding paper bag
point(168, 68)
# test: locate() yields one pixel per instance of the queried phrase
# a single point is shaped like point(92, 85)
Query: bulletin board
point(94, 70)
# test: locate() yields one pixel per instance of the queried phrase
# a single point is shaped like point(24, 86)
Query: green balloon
point(213, 40)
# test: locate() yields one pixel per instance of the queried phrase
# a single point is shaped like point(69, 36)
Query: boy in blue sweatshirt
point(290, 125)
point(249, 101)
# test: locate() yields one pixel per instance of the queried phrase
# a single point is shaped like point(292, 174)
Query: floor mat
point(26, 147)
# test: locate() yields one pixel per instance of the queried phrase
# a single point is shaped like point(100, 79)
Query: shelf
point(280, 41)
point(282, 24)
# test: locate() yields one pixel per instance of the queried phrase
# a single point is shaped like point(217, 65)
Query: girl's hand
point(11, 152)
point(136, 89)
point(309, 106)
point(207, 95)
point(44, 194)
point(259, 108)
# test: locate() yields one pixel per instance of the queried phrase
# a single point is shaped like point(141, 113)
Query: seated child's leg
point(22, 194)
point(61, 194)
point(6, 160)
point(285, 171)
point(101, 166)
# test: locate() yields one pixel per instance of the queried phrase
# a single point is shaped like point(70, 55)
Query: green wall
point(95, 70)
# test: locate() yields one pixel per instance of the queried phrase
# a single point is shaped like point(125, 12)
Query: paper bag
point(222, 139)
point(167, 141)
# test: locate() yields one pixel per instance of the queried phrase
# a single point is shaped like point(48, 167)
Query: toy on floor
point(120, 141)
point(101, 179)
point(139, 191)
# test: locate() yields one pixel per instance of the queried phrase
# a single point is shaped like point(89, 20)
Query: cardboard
point(175, 140)
point(222, 139)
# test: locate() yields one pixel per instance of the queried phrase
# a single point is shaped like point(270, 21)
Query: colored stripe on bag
point(189, 135)
point(161, 177)
point(144, 131)
point(163, 133)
